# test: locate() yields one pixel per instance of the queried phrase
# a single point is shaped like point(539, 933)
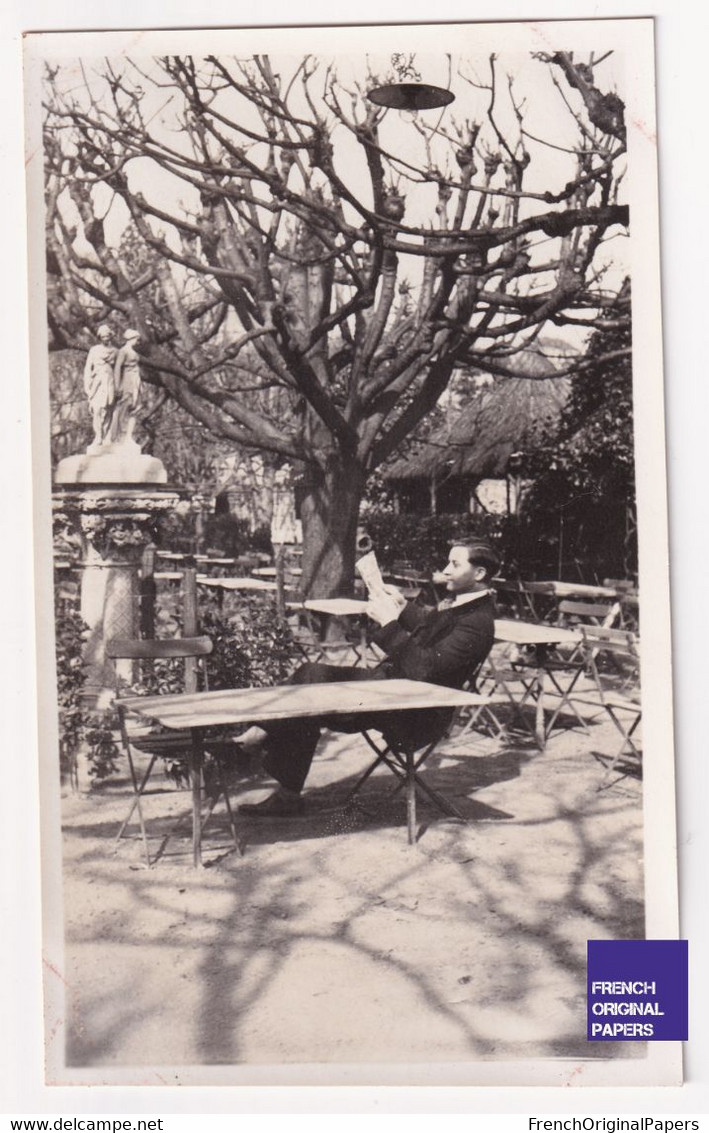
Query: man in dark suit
point(443, 646)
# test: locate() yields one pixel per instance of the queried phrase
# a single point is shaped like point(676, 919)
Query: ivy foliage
point(585, 480)
point(79, 725)
point(594, 452)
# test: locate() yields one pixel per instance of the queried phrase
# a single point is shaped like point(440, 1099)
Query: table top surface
point(270, 571)
point(533, 633)
point(245, 705)
point(557, 589)
point(342, 607)
point(582, 590)
point(236, 583)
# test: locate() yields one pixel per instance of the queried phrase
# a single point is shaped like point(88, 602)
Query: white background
point(682, 60)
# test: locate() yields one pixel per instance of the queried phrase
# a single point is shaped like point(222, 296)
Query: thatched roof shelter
point(506, 416)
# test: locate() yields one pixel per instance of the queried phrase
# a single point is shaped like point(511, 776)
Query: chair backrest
point(188, 649)
point(123, 648)
point(523, 595)
point(600, 613)
point(537, 588)
point(620, 646)
point(614, 640)
point(622, 585)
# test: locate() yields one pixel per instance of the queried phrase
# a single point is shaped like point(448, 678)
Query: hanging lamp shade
point(410, 96)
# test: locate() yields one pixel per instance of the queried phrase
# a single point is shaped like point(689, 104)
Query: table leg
point(539, 727)
point(197, 762)
point(411, 797)
point(363, 643)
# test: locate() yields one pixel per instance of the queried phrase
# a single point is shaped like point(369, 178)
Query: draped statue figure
point(126, 382)
point(99, 384)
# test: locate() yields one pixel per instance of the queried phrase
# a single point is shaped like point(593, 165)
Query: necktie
point(446, 604)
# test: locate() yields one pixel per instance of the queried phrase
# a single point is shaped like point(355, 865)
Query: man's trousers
point(291, 744)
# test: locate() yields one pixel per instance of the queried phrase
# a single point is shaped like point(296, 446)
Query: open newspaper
point(368, 569)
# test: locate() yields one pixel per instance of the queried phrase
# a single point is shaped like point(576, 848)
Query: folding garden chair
point(477, 718)
point(405, 762)
point(566, 666)
point(540, 600)
point(588, 613)
point(528, 600)
point(313, 647)
point(173, 746)
point(515, 684)
point(613, 661)
point(516, 676)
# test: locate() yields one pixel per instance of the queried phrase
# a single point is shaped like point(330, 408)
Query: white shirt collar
point(463, 599)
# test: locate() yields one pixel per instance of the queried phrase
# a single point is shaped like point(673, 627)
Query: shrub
point(253, 647)
point(79, 724)
point(260, 540)
point(227, 534)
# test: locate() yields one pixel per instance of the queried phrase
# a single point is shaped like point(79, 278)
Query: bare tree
point(307, 285)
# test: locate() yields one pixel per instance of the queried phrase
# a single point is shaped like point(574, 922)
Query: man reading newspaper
point(443, 646)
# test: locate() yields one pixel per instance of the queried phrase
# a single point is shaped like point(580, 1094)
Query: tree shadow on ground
point(354, 946)
point(380, 804)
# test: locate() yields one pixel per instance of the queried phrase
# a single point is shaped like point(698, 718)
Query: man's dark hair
point(480, 553)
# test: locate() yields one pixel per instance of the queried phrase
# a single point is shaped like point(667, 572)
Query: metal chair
point(514, 683)
point(528, 600)
point(405, 760)
point(310, 641)
point(588, 613)
point(518, 678)
point(175, 746)
point(618, 693)
point(479, 718)
point(565, 667)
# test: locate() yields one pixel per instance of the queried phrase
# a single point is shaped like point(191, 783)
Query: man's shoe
point(253, 739)
point(281, 804)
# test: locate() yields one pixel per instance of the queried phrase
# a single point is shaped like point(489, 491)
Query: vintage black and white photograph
point(355, 711)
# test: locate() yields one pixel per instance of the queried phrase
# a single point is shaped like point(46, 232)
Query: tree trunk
point(329, 514)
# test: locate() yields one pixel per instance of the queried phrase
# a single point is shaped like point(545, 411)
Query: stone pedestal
point(115, 522)
point(111, 463)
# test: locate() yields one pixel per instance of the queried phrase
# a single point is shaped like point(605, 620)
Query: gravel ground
point(332, 941)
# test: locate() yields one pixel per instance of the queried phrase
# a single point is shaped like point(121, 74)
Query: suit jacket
point(440, 646)
point(444, 647)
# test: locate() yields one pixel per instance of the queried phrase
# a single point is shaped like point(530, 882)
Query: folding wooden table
point(201, 710)
point(222, 585)
point(342, 608)
point(236, 583)
point(582, 590)
point(542, 637)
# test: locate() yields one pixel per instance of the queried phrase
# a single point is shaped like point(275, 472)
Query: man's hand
point(384, 608)
point(396, 596)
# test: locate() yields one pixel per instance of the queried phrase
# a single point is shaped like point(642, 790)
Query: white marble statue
point(112, 383)
point(126, 382)
point(99, 384)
